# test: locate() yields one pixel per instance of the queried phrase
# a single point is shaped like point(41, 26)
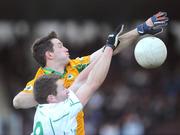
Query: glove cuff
point(112, 46)
point(142, 28)
point(145, 29)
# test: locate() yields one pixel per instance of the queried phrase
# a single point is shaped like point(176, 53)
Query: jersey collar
point(51, 71)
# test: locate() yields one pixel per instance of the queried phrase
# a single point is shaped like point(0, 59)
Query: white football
point(150, 52)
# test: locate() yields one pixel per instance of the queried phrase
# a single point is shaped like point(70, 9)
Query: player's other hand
point(154, 25)
point(112, 39)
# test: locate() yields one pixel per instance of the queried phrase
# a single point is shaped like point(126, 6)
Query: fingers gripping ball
point(150, 52)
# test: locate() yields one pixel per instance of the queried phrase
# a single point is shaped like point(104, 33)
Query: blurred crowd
point(132, 100)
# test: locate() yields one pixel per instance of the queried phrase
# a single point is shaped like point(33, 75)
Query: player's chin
point(67, 56)
point(66, 60)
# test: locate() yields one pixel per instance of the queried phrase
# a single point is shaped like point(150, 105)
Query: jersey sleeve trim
point(61, 117)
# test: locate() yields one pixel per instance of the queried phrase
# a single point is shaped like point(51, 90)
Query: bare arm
point(96, 55)
point(127, 39)
point(153, 25)
point(82, 77)
point(96, 76)
point(24, 100)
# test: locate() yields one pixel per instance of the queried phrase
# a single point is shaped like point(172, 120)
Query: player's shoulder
point(39, 73)
point(30, 84)
point(73, 99)
point(80, 60)
point(43, 109)
point(79, 63)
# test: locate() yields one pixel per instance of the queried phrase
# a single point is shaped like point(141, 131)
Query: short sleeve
point(69, 108)
point(29, 87)
point(30, 84)
point(74, 103)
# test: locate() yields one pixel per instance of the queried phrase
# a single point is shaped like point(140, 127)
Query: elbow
point(16, 103)
point(24, 101)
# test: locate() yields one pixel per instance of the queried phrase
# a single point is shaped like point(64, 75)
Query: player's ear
point(49, 55)
point(51, 99)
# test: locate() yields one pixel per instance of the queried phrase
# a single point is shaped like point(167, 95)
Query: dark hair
point(44, 86)
point(41, 45)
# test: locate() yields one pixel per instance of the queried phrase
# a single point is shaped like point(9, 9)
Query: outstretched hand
point(154, 25)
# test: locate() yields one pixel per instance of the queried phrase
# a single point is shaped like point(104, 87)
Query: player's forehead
point(56, 41)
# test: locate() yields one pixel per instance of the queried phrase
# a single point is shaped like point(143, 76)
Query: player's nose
point(66, 49)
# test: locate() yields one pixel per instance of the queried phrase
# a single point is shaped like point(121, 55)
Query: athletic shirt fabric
point(57, 118)
point(72, 69)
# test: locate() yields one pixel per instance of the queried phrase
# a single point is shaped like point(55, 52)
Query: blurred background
point(132, 100)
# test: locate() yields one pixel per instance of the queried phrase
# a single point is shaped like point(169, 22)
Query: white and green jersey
point(57, 118)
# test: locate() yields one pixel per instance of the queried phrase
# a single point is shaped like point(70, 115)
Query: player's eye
point(59, 45)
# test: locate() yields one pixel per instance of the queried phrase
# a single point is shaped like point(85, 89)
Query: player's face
point(61, 53)
point(62, 93)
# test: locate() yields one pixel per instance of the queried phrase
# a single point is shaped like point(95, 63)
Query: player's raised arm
point(98, 53)
point(98, 73)
point(82, 77)
point(112, 41)
point(153, 25)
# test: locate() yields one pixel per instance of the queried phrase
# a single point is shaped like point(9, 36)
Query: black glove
point(159, 21)
point(113, 40)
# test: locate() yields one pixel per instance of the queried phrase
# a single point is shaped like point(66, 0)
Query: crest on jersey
point(70, 76)
point(29, 88)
